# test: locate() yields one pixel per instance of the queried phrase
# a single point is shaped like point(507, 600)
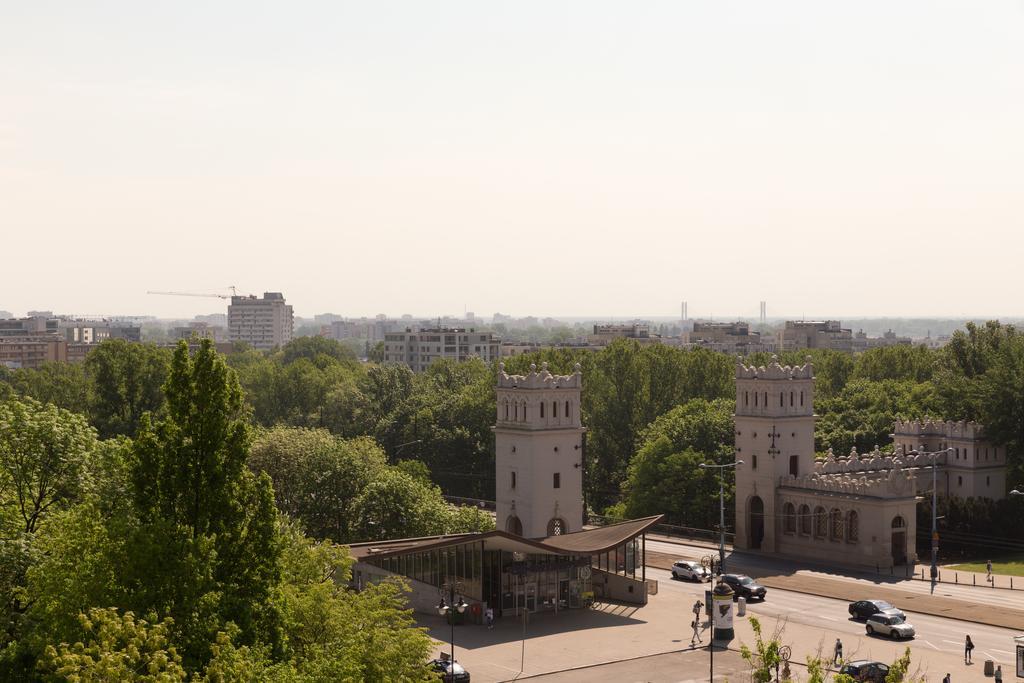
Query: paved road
point(760, 566)
point(673, 667)
point(831, 617)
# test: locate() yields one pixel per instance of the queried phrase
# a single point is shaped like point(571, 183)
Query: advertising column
point(721, 613)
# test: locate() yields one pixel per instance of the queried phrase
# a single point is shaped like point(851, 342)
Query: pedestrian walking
point(988, 568)
point(968, 646)
point(490, 617)
point(999, 674)
point(838, 654)
point(696, 632)
point(947, 679)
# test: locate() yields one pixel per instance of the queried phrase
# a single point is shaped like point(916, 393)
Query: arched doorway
point(756, 522)
point(899, 540)
point(513, 525)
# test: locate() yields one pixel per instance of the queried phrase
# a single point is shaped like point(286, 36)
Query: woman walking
point(968, 646)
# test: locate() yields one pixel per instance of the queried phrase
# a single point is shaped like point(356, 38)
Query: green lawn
point(1012, 565)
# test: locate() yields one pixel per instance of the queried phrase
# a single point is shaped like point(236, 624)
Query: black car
point(745, 587)
point(862, 609)
point(866, 670)
point(450, 672)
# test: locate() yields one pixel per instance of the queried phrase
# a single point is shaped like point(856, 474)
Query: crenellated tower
point(538, 453)
point(774, 438)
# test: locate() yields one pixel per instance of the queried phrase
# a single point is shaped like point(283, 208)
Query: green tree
point(118, 647)
point(1000, 396)
point(125, 381)
point(317, 476)
point(665, 475)
point(319, 350)
point(913, 363)
point(764, 658)
point(207, 550)
point(862, 414)
point(62, 384)
point(394, 505)
point(44, 461)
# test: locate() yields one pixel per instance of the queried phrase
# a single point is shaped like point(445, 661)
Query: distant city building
point(6, 314)
point(263, 323)
point(366, 329)
point(33, 326)
point(419, 349)
point(607, 333)
point(200, 330)
point(97, 331)
point(816, 334)
point(732, 338)
point(31, 352)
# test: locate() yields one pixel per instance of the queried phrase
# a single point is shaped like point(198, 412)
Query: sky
point(585, 158)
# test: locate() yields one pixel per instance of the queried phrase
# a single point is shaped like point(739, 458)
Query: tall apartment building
point(419, 349)
point(732, 338)
point(263, 323)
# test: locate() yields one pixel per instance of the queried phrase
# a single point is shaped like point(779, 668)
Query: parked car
point(450, 672)
point(889, 625)
point(691, 571)
point(866, 670)
point(745, 587)
point(862, 609)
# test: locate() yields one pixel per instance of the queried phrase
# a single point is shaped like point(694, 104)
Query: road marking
point(927, 643)
point(822, 616)
point(954, 642)
point(1004, 652)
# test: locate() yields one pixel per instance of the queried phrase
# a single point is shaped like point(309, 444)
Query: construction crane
point(234, 292)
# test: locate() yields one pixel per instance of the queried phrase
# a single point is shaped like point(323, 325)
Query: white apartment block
point(419, 349)
point(262, 323)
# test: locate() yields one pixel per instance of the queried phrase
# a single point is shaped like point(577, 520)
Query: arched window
point(959, 481)
point(566, 410)
point(791, 399)
point(801, 399)
point(836, 527)
point(542, 410)
point(782, 399)
point(805, 520)
point(554, 409)
point(766, 399)
point(513, 525)
point(517, 412)
point(506, 410)
point(556, 527)
point(898, 523)
point(789, 518)
point(746, 398)
point(852, 527)
point(820, 522)
point(755, 399)
point(524, 411)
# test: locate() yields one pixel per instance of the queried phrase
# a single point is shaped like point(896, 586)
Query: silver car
point(891, 625)
point(692, 571)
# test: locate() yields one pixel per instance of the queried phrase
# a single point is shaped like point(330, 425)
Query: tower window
point(791, 399)
point(542, 410)
point(513, 481)
point(746, 398)
point(782, 403)
point(754, 463)
point(794, 465)
point(557, 482)
point(566, 409)
point(554, 409)
point(755, 399)
point(801, 399)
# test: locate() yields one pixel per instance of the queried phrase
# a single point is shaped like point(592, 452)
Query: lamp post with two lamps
point(721, 507)
point(453, 590)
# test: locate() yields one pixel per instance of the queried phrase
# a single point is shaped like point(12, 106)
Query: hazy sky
point(588, 158)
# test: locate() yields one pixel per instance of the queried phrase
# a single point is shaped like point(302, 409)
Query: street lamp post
point(453, 590)
point(935, 518)
point(399, 447)
point(721, 508)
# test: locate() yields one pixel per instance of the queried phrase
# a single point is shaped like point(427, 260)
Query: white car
point(892, 625)
point(691, 571)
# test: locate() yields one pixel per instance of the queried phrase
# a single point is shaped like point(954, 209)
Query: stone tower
point(539, 453)
point(774, 439)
